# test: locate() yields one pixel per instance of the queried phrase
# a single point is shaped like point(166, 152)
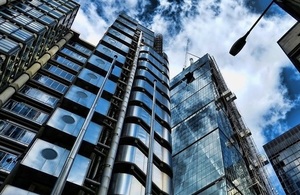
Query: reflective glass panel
point(68, 63)
point(51, 83)
point(59, 72)
point(26, 111)
point(39, 95)
point(74, 55)
point(7, 161)
point(16, 133)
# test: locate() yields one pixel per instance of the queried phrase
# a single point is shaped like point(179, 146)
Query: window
point(82, 49)
point(25, 111)
point(59, 72)
point(39, 95)
point(16, 133)
point(67, 63)
point(74, 55)
point(35, 13)
point(50, 83)
point(7, 161)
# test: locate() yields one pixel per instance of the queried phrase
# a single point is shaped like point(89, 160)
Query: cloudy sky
point(261, 76)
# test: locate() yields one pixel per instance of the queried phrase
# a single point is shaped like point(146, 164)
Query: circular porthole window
point(92, 76)
point(81, 94)
point(49, 153)
point(68, 119)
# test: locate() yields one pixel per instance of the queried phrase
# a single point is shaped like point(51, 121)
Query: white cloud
point(90, 26)
point(254, 74)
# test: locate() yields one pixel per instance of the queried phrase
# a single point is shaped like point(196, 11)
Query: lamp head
point(238, 45)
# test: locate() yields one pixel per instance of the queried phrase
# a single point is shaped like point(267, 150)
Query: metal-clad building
point(77, 118)
point(213, 152)
point(284, 155)
point(292, 7)
point(290, 44)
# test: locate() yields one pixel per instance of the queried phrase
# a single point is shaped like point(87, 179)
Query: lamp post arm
point(240, 43)
point(259, 18)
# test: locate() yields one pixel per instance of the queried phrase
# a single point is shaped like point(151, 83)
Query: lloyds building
point(77, 118)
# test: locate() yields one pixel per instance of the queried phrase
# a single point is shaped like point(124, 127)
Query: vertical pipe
point(151, 145)
point(62, 178)
point(107, 172)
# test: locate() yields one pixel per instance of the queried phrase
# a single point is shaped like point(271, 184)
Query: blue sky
point(261, 76)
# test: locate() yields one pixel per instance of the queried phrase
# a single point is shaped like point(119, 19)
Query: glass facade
point(207, 157)
point(284, 155)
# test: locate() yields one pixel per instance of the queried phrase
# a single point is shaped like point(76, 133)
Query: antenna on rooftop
point(186, 53)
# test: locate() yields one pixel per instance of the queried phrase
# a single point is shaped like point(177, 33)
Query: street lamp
point(240, 43)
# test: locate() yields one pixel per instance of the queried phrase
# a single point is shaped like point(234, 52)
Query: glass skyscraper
point(77, 118)
point(213, 152)
point(284, 155)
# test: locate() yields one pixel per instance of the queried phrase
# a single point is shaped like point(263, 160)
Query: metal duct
point(151, 144)
point(61, 180)
point(107, 172)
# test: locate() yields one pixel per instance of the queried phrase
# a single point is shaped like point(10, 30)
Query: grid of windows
point(137, 131)
point(193, 128)
point(59, 72)
point(16, 133)
point(25, 111)
point(39, 95)
point(286, 164)
point(189, 88)
point(82, 49)
point(284, 154)
point(199, 165)
point(191, 104)
point(67, 63)
point(74, 55)
point(234, 164)
point(50, 83)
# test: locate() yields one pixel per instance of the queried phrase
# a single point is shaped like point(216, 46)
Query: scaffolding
point(242, 135)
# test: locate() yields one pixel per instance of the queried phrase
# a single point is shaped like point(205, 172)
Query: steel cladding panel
point(80, 96)
point(132, 154)
point(49, 158)
point(102, 106)
point(123, 183)
point(120, 36)
point(71, 124)
point(91, 77)
point(116, 43)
